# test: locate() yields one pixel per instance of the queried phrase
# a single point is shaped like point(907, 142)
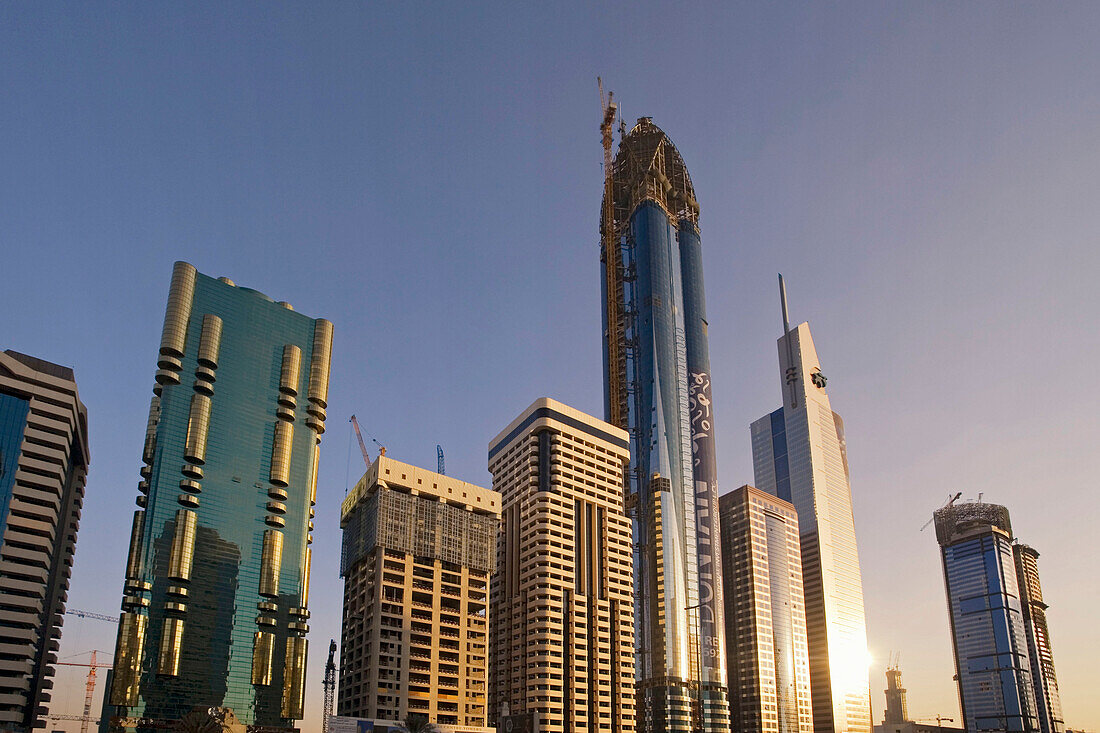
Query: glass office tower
point(769, 669)
point(799, 455)
point(657, 387)
point(217, 580)
point(992, 665)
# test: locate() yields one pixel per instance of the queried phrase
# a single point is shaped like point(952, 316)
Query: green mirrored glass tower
point(215, 605)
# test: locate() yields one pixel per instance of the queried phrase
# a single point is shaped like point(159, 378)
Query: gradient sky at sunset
point(428, 176)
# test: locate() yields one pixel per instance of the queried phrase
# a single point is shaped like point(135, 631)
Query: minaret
point(657, 379)
point(799, 455)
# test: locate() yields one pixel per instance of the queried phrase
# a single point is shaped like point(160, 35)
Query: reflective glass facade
point(216, 590)
point(767, 650)
point(800, 455)
point(660, 388)
point(13, 419)
point(992, 664)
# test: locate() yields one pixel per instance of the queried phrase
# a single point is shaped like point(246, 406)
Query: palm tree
point(418, 723)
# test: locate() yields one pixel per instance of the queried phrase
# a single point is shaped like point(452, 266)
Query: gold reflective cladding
point(319, 363)
point(267, 350)
point(294, 677)
point(133, 561)
point(280, 453)
point(171, 644)
point(127, 667)
point(263, 651)
point(313, 474)
point(271, 562)
point(183, 546)
point(180, 296)
point(198, 427)
point(211, 341)
point(305, 577)
point(291, 371)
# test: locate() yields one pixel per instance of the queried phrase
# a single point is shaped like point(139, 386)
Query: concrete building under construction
point(418, 549)
point(897, 707)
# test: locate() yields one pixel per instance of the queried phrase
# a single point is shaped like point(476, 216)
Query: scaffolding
point(421, 527)
point(954, 520)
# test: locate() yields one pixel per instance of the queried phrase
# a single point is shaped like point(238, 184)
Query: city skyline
point(931, 211)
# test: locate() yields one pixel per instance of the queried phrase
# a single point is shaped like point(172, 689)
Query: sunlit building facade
point(992, 664)
point(418, 549)
point(658, 388)
point(799, 455)
point(1047, 698)
point(43, 467)
point(765, 614)
point(215, 607)
point(562, 629)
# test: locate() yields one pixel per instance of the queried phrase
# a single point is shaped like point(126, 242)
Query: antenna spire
point(783, 302)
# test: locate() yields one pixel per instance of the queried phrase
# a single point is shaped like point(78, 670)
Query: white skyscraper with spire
point(799, 455)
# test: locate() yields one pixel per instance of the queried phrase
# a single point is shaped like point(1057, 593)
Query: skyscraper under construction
point(657, 387)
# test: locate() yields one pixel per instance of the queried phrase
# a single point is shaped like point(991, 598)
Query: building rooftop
point(41, 365)
point(549, 409)
point(405, 477)
point(959, 521)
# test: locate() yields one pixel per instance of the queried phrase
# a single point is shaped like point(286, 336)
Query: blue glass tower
point(215, 607)
point(657, 387)
point(993, 668)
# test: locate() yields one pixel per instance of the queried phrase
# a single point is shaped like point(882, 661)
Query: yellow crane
point(612, 261)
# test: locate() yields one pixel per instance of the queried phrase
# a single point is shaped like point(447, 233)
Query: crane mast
point(89, 688)
point(359, 436)
point(612, 261)
point(329, 684)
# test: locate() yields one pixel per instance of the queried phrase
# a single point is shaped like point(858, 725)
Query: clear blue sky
point(427, 176)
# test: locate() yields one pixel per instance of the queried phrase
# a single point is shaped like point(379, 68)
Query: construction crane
point(89, 614)
point(440, 466)
point(612, 261)
point(938, 718)
point(359, 435)
point(330, 685)
point(89, 693)
point(362, 445)
point(950, 501)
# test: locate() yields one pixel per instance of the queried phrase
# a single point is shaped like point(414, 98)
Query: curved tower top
point(649, 167)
